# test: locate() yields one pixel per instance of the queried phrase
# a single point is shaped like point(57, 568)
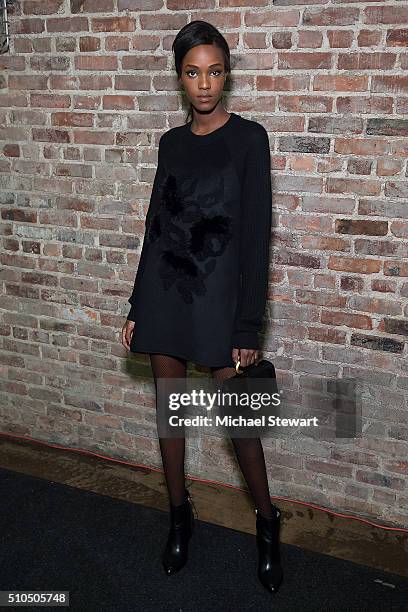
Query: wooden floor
point(306, 527)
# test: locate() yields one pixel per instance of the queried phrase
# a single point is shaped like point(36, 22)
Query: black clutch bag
point(262, 369)
point(253, 380)
point(244, 378)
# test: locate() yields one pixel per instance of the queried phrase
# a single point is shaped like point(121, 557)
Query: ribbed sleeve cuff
point(131, 316)
point(245, 339)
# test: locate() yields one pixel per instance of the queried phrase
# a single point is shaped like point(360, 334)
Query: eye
point(213, 71)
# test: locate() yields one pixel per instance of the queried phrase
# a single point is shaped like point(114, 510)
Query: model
point(201, 284)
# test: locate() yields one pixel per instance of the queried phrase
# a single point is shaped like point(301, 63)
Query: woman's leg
point(251, 460)
point(172, 449)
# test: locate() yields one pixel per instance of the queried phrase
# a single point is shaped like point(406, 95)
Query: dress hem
point(189, 359)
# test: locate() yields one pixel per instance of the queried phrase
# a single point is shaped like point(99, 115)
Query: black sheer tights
point(172, 449)
point(251, 460)
point(249, 451)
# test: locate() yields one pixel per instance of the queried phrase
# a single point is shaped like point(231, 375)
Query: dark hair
point(198, 33)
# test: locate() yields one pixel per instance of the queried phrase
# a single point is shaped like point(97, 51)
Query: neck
point(204, 122)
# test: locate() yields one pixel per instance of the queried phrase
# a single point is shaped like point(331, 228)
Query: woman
point(201, 285)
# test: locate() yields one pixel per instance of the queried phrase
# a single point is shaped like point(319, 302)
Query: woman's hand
point(246, 356)
point(127, 331)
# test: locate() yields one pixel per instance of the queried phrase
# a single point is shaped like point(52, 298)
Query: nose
point(204, 83)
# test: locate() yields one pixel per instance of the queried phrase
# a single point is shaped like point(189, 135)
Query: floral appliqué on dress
point(191, 232)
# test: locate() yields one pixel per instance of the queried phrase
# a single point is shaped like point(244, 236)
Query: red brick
point(225, 3)
point(320, 298)
point(368, 38)
point(397, 466)
point(95, 82)
point(307, 39)
point(11, 150)
point(64, 44)
point(294, 60)
point(350, 264)
point(49, 135)
point(27, 82)
point(366, 61)
point(386, 14)
point(92, 6)
point(397, 38)
point(255, 40)
point(72, 24)
point(380, 480)
point(87, 44)
point(326, 334)
point(357, 186)
point(144, 62)
point(357, 146)
point(99, 138)
point(118, 102)
point(348, 319)
point(27, 26)
point(49, 101)
point(113, 24)
point(43, 7)
point(399, 229)
point(280, 83)
point(327, 467)
point(273, 18)
point(117, 43)
point(331, 16)
point(96, 63)
point(340, 38)
point(10, 62)
point(162, 21)
point(384, 286)
point(72, 119)
point(86, 103)
point(63, 82)
point(133, 82)
point(325, 82)
point(324, 243)
point(395, 268)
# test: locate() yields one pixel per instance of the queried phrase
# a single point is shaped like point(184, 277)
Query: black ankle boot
point(267, 538)
point(181, 528)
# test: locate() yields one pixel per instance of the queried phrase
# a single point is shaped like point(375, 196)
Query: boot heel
point(270, 572)
point(175, 554)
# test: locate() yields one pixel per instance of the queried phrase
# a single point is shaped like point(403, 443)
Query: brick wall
point(86, 91)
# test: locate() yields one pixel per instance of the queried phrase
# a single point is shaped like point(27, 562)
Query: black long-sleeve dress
point(201, 284)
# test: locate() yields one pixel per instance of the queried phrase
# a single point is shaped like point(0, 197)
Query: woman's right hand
point(127, 331)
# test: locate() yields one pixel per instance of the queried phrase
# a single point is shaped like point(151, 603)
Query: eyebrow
point(193, 66)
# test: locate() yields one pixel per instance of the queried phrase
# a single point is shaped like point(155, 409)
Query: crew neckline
point(211, 135)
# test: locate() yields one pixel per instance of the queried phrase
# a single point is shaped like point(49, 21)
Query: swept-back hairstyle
point(198, 33)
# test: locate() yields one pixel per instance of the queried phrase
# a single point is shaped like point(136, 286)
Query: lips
point(204, 97)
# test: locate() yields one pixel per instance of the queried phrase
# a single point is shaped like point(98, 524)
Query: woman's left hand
point(246, 356)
